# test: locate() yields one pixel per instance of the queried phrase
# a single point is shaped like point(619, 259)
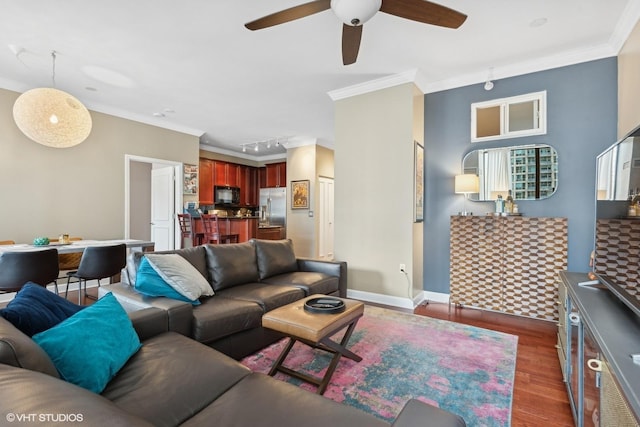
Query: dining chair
point(213, 233)
point(18, 268)
point(7, 242)
point(96, 263)
point(188, 230)
point(68, 261)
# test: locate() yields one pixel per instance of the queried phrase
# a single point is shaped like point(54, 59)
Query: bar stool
point(187, 230)
point(7, 242)
point(18, 268)
point(212, 232)
point(97, 262)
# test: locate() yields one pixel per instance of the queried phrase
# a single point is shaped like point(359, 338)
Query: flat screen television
point(617, 235)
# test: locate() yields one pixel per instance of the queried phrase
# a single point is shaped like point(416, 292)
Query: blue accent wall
point(581, 122)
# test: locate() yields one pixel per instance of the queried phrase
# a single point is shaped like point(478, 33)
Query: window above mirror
point(513, 117)
point(529, 171)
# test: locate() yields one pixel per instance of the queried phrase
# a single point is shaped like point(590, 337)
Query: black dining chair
point(18, 268)
point(97, 262)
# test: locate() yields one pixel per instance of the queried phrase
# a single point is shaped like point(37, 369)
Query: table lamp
point(466, 184)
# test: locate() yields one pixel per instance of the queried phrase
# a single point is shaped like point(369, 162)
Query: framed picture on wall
point(418, 193)
point(190, 185)
point(300, 194)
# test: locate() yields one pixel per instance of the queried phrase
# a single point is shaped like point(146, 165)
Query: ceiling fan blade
point(290, 14)
point(351, 37)
point(424, 11)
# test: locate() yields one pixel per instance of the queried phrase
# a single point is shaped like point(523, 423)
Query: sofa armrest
point(331, 268)
point(149, 322)
point(416, 413)
point(179, 313)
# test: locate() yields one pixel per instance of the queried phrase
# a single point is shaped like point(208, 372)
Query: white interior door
point(162, 207)
point(325, 241)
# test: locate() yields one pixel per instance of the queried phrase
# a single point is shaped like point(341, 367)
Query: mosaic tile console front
point(508, 264)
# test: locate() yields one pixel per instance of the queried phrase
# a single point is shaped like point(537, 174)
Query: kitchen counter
point(245, 227)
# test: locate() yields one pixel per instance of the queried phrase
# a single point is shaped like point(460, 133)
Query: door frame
point(178, 171)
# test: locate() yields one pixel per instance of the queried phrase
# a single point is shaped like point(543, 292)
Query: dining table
point(80, 245)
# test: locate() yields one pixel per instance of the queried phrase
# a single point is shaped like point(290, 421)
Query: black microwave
point(225, 195)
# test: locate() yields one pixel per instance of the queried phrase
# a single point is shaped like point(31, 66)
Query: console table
point(508, 263)
point(597, 334)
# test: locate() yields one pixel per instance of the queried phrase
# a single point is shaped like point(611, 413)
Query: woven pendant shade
point(52, 117)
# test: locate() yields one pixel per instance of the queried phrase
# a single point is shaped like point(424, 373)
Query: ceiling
point(192, 66)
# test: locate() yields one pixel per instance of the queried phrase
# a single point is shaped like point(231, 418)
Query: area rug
point(463, 369)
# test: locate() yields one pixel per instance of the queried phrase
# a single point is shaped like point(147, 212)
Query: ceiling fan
point(354, 13)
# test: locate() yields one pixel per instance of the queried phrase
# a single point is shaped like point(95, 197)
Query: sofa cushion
point(275, 257)
point(218, 317)
point(180, 275)
point(259, 400)
point(27, 392)
point(311, 282)
point(195, 256)
point(231, 265)
point(35, 309)
point(91, 346)
point(151, 284)
point(172, 378)
point(267, 296)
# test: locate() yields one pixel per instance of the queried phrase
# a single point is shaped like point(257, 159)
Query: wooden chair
point(7, 242)
point(188, 230)
point(213, 233)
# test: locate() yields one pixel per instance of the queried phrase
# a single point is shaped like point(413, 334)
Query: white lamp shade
point(358, 11)
point(467, 183)
point(52, 117)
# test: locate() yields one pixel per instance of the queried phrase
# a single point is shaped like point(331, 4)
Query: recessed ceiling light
point(538, 22)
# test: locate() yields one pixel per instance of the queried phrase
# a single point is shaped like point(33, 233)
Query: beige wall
point(374, 151)
point(77, 190)
point(629, 83)
point(418, 230)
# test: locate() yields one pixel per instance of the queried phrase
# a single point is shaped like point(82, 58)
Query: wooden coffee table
point(314, 330)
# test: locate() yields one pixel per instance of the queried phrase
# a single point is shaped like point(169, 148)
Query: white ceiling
point(196, 64)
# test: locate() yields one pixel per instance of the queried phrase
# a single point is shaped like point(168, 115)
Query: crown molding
point(408, 76)
point(625, 26)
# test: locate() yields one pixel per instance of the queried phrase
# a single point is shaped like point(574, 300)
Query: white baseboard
point(435, 297)
point(382, 299)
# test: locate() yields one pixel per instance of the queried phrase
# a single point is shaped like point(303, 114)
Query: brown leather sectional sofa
point(172, 380)
point(248, 279)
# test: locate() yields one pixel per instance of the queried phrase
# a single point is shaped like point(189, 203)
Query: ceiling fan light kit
point(354, 13)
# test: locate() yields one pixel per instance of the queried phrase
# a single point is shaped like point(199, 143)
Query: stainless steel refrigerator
point(273, 206)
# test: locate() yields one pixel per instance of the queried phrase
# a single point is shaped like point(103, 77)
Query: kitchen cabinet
point(205, 182)
point(248, 184)
point(271, 233)
point(507, 264)
point(273, 175)
point(226, 173)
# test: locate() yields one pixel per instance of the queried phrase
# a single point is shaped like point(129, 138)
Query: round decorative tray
point(327, 305)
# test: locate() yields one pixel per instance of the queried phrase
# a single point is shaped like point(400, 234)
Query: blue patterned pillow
point(90, 347)
point(35, 309)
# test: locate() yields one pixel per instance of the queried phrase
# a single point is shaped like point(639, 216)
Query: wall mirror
point(529, 171)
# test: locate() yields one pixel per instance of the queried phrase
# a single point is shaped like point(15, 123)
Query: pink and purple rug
point(463, 369)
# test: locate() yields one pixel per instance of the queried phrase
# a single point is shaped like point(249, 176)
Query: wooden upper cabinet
point(226, 174)
point(275, 175)
point(205, 182)
point(248, 184)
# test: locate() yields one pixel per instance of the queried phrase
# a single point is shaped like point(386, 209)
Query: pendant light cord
point(53, 72)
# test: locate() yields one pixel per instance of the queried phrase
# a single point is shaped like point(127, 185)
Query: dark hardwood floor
point(540, 396)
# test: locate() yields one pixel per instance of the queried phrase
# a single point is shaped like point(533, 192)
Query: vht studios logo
point(44, 418)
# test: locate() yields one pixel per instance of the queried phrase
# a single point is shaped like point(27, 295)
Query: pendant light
point(52, 117)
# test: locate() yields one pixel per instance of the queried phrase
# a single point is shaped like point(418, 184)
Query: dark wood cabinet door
point(276, 175)
point(262, 177)
point(205, 182)
point(233, 175)
point(220, 173)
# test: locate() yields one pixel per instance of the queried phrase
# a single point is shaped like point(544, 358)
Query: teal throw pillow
point(90, 347)
point(150, 283)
